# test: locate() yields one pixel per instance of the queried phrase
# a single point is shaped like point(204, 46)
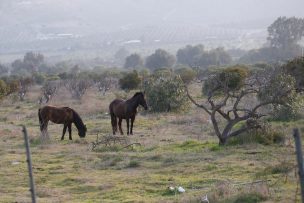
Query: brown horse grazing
point(61, 115)
point(122, 109)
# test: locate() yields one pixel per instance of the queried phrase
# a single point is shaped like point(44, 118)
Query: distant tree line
point(284, 35)
point(190, 56)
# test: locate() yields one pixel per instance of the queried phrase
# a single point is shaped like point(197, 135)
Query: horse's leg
point(44, 127)
point(70, 131)
point(119, 125)
point(63, 131)
point(114, 123)
point(132, 121)
point(128, 121)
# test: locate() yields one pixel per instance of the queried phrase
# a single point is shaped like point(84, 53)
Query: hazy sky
point(121, 12)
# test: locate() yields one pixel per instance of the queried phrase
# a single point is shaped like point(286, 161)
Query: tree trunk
point(222, 141)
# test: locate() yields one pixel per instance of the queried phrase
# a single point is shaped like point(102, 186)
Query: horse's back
point(117, 107)
point(56, 114)
point(115, 103)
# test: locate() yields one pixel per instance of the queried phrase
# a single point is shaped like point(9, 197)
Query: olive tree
point(295, 68)
point(186, 74)
point(235, 95)
point(130, 81)
point(49, 89)
point(134, 61)
point(285, 32)
point(165, 92)
point(3, 88)
point(77, 87)
point(160, 59)
point(24, 85)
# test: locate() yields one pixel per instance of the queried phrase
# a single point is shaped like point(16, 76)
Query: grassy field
point(175, 150)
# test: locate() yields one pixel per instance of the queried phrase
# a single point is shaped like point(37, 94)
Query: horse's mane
point(77, 120)
point(137, 94)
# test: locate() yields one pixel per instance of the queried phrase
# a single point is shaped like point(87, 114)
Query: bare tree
point(234, 97)
point(106, 80)
point(78, 87)
point(23, 87)
point(49, 89)
point(104, 84)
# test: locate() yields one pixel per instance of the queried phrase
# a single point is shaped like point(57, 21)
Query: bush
point(186, 74)
point(276, 88)
point(283, 167)
point(295, 68)
point(3, 88)
point(13, 86)
point(285, 113)
point(130, 81)
point(133, 164)
point(166, 93)
point(160, 59)
point(250, 198)
point(52, 77)
point(265, 135)
point(39, 78)
point(228, 193)
point(134, 61)
point(232, 78)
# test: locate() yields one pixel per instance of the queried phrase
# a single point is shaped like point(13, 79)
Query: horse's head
point(141, 100)
point(82, 131)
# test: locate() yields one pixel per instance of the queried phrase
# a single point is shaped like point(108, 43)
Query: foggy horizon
point(132, 11)
point(42, 25)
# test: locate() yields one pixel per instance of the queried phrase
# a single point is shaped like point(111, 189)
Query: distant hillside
point(65, 25)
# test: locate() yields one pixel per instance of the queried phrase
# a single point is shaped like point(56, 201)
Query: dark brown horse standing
point(122, 109)
point(61, 115)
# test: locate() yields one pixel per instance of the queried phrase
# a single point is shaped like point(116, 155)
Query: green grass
point(171, 153)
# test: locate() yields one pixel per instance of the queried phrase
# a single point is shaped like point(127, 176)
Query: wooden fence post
point(298, 143)
point(29, 165)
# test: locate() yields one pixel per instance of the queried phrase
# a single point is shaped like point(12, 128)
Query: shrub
point(276, 89)
point(228, 193)
point(53, 77)
point(295, 68)
point(3, 88)
point(186, 74)
point(283, 167)
point(134, 61)
point(133, 164)
point(39, 78)
point(130, 81)
point(265, 135)
point(250, 198)
point(160, 59)
point(13, 86)
point(166, 93)
point(285, 113)
point(232, 78)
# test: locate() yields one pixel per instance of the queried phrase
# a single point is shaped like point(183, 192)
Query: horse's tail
point(40, 120)
point(113, 119)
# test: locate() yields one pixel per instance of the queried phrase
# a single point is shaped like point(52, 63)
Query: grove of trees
point(197, 56)
point(160, 59)
point(283, 37)
point(238, 95)
point(134, 61)
point(237, 98)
